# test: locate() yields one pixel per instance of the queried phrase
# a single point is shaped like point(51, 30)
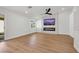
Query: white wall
point(55, 26)
point(63, 22)
point(76, 28)
point(63, 25)
point(71, 24)
point(41, 25)
point(15, 24)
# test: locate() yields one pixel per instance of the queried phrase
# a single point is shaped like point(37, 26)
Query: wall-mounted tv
point(49, 21)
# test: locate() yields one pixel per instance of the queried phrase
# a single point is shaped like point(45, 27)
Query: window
point(1, 26)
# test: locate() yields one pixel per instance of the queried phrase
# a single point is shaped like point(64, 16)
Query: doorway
point(1, 27)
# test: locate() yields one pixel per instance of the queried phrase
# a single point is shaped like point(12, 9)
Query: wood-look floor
point(39, 42)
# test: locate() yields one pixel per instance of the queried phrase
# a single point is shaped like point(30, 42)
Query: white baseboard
point(8, 38)
point(76, 47)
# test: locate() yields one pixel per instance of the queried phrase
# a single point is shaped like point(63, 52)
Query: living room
point(47, 20)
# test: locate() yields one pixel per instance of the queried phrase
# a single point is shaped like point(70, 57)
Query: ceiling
point(37, 10)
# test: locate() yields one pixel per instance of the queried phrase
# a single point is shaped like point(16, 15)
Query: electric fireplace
point(48, 29)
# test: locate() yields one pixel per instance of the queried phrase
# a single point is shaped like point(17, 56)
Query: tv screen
point(49, 21)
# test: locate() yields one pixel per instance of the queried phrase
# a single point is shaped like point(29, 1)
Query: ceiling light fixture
point(62, 9)
point(26, 12)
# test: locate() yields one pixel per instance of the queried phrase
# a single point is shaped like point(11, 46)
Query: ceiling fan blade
point(50, 13)
point(49, 10)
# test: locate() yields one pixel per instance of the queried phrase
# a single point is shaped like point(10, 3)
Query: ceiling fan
point(48, 11)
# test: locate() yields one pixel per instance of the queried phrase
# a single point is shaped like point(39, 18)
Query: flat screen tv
point(49, 21)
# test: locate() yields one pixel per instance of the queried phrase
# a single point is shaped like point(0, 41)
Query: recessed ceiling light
point(62, 9)
point(26, 12)
point(75, 9)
